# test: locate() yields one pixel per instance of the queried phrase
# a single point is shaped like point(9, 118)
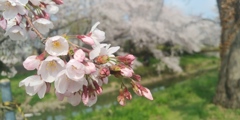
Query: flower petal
point(75, 99)
point(42, 91)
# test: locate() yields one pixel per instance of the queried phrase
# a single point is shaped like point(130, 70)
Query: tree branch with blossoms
point(77, 73)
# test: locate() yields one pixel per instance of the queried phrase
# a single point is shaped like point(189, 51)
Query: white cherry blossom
point(103, 49)
point(31, 63)
point(50, 68)
point(12, 7)
point(75, 70)
point(79, 55)
point(74, 99)
point(17, 33)
point(34, 84)
point(43, 25)
point(94, 37)
point(64, 83)
point(96, 34)
point(57, 46)
point(51, 7)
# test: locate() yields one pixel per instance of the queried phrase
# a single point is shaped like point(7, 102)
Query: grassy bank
point(188, 100)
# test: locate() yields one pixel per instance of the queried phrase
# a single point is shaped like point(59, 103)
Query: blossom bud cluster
point(79, 76)
point(74, 72)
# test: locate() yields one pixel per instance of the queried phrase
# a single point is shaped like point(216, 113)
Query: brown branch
point(85, 50)
point(42, 38)
point(3, 39)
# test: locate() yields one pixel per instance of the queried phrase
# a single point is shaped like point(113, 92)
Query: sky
point(207, 8)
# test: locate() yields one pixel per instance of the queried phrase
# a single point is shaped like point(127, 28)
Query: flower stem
point(34, 29)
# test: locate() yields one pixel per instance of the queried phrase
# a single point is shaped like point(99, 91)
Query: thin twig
point(42, 38)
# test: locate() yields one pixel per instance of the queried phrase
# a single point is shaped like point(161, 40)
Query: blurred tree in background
point(150, 29)
point(228, 90)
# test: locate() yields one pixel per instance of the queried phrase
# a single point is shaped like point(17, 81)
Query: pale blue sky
point(207, 8)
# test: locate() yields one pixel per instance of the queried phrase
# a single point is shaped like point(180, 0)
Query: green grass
point(187, 61)
point(188, 100)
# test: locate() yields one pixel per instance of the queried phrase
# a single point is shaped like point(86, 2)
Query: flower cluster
point(79, 73)
point(74, 72)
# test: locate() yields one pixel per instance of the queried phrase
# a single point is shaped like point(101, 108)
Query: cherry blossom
point(57, 46)
point(103, 49)
point(31, 63)
point(43, 25)
point(75, 70)
point(17, 33)
point(74, 99)
point(13, 7)
point(79, 55)
point(50, 7)
point(94, 37)
point(64, 83)
point(34, 84)
point(50, 68)
point(96, 34)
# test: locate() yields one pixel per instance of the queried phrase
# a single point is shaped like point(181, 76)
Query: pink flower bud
point(86, 39)
point(126, 72)
point(98, 89)
point(127, 94)
point(104, 72)
point(101, 59)
point(45, 15)
point(41, 56)
point(141, 91)
point(127, 59)
point(147, 94)
point(120, 98)
point(79, 55)
point(85, 95)
point(136, 77)
point(58, 2)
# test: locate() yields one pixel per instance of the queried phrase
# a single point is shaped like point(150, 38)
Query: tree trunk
point(228, 89)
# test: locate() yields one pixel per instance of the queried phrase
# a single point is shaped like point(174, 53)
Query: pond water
point(104, 101)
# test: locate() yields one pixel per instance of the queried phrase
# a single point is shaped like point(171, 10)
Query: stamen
point(51, 65)
point(56, 44)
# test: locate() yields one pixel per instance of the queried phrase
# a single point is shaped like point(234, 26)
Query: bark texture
point(228, 89)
